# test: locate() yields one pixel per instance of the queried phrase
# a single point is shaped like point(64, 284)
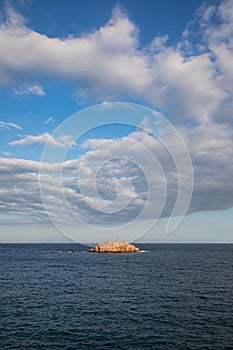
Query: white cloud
point(211, 150)
point(192, 81)
point(212, 29)
point(7, 125)
point(158, 43)
point(186, 88)
point(103, 57)
point(121, 181)
point(109, 63)
point(27, 90)
point(62, 141)
point(6, 154)
point(49, 120)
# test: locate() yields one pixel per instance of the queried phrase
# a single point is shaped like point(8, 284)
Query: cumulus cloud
point(62, 141)
point(190, 80)
point(27, 90)
point(211, 151)
point(111, 49)
point(211, 31)
point(132, 179)
point(8, 125)
point(158, 43)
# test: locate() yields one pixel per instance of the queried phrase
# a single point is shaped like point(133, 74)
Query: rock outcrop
point(114, 247)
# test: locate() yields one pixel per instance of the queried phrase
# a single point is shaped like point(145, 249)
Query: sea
point(170, 296)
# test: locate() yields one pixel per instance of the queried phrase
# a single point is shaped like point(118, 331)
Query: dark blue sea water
point(174, 296)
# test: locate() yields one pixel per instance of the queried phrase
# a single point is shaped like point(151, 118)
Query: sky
point(116, 121)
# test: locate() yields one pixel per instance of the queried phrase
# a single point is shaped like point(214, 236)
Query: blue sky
point(57, 61)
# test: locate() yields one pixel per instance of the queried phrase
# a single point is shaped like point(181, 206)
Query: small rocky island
point(114, 246)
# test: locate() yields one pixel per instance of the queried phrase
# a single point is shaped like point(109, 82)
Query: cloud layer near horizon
point(121, 179)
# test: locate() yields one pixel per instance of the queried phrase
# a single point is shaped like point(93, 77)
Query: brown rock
point(114, 246)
